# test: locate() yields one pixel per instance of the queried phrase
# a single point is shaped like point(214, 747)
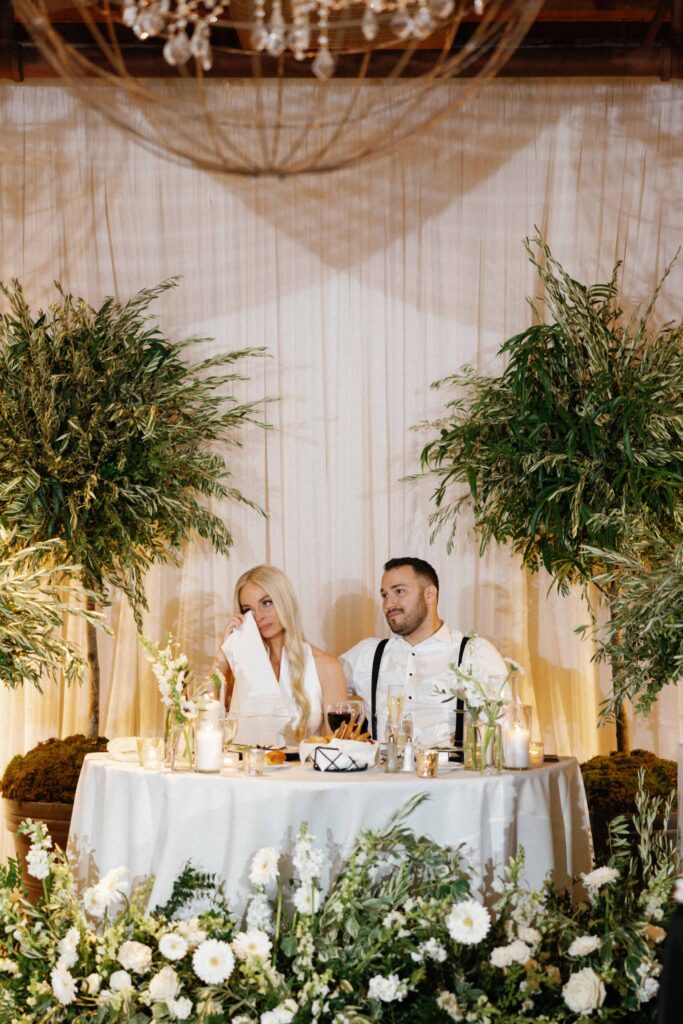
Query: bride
point(282, 683)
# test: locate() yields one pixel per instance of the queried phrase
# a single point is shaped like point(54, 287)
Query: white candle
point(151, 758)
point(515, 746)
point(209, 748)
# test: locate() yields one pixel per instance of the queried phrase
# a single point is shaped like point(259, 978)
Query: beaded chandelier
point(276, 87)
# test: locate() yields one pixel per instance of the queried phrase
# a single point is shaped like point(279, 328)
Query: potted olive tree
point(110, 439)
point(577, 441)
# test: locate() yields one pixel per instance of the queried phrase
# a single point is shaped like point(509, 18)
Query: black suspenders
point(377, 661)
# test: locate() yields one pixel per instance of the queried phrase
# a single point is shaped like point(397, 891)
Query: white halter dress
point(264, 705)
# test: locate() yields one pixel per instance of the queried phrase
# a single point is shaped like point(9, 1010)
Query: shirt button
point(410, 673)
point(410, 696)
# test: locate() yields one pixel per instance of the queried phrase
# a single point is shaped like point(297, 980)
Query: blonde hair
point(281, 592)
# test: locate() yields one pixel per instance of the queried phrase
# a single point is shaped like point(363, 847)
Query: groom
point(418, 653)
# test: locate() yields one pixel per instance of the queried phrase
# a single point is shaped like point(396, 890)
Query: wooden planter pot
point(57, 818)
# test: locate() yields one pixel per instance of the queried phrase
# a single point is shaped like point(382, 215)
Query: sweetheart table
point(153, 822)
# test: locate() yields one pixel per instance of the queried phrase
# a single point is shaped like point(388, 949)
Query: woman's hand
point(234, 624)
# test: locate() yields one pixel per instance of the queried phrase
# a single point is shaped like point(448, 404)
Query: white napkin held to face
point(256, 693)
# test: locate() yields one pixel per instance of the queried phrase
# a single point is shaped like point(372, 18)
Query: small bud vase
point(180, 745)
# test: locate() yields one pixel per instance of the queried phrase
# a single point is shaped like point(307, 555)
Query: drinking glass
point(230, 723)
point(396, 700)
point(344, 712)
point(253, 760)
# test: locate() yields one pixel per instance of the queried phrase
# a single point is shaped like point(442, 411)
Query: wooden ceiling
point(570, 38)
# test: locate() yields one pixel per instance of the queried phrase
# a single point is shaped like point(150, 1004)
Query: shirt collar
point(443, 635)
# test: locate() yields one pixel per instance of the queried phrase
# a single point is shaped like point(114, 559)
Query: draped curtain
point(365, 286)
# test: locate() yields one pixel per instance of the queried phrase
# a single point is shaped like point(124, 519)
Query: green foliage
point(643, 638)
point(109, 439)
point(34, 588)
point(49, 772)
point(582, 432)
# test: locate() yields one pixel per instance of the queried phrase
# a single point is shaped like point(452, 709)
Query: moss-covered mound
point(49, 772)
point(611, 782)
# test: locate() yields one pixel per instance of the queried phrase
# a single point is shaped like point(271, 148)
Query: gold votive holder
point(536, 754)
point(426, 762)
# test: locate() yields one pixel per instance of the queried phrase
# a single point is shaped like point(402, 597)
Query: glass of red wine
point(344, 712)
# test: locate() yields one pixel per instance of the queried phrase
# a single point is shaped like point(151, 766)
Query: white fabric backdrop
point(365, 286)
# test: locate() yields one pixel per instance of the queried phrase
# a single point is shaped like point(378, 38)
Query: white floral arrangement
point(483, 696)
point(398, 936)
point(172, 671)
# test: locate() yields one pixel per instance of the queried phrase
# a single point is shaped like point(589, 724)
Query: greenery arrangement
point(643, 638)
point(109, 440)
point(398, 937)
point(32, 608)
point(49, 772)
point(580, 438)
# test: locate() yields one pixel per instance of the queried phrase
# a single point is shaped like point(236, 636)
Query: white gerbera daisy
point(252, 943)
point(173, 946)
point(468, 922)
point(594, 880)
point(63, 985)
point(213, 961)
point(264, 866)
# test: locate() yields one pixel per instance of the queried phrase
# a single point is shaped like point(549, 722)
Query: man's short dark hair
point(419, 565)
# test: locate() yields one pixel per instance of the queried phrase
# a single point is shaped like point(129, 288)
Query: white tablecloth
point(154, 822)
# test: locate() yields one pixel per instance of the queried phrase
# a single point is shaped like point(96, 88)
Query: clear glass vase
point(490, 748)
point(470, 744)
point(180, 744)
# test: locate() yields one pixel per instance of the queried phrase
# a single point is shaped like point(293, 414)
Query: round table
point(153, 822)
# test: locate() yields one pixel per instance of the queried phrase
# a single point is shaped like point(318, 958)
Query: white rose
point(387, 990)
point(584, 945)
point(180, 1008)
point(92, 984)
point(584, 992)
point(120, 981)
point(135, 956)
point(164, 985)
point(173, 946)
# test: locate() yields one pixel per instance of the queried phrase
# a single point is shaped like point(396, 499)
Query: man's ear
point(431, 595)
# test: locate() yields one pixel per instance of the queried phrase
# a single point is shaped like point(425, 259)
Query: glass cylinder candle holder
point(536, 754)
point(426, 762)
point(151, 752)
point(209, 748)
point(253, 760)
point(516, 736)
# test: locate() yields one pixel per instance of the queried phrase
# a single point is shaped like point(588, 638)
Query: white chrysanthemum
point(213, 961)
point(91, 984)
point(67, 948)
point(678, 890)
point(135, 956)
point(594, 880)
point(584, 992)
point(307, 899)
point(264, 866)
point(120, 981)
point(252, 943)
point(468, 922)
point(529, 935)
point(180, 1008)
point(260, 913)
point(516, 952)
point(282, 1014)
point(164, 986)
point(63, 985)
point(387, 990)
point(448, 1002)
point(584, 945)
point(37, 863)
point(173, 946)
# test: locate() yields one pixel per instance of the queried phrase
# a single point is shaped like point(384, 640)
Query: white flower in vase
point(584, 992)
point(164, 986)
point(135, 956)
point(120, 981)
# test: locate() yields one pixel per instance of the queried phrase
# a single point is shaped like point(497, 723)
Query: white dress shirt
point(420, 668)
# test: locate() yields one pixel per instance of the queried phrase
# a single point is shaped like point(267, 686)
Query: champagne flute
point(396, 700)
point(230, 756)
